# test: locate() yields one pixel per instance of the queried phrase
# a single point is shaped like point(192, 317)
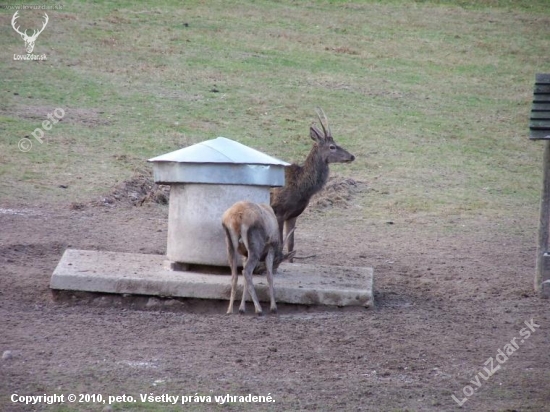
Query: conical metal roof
point(219, 161)
point(220, 150)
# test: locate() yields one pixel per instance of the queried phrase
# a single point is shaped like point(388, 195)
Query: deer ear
point(315, 134)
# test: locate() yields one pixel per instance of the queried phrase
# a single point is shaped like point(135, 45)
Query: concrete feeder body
point(195, 233)
point(205, 180)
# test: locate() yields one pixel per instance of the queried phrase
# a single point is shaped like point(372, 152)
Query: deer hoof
point(274, 311)
point(241, 311)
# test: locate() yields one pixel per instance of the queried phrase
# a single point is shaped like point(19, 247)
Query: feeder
point(205, 180)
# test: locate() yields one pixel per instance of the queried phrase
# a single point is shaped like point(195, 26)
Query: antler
point(15, 17)
point(46, 19)
point(35, 33)
point(324, 121)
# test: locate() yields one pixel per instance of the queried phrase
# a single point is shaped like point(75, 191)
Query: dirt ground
point(449, 296)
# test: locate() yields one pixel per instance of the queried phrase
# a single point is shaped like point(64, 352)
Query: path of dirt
point(446, 301)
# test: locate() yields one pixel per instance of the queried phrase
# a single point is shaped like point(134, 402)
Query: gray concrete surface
point(140, 274)
point(195, 233)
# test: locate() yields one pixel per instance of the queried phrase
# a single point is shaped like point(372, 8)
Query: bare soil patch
point(86, 117)
point(446, 301)
point(339, 192)
point(136, 191)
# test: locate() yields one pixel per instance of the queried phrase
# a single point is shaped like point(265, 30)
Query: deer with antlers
point(302, 182)
point(29, 40)
point(252, 231)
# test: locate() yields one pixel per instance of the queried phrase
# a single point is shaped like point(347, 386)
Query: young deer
point(302, 182)
point(252, 231)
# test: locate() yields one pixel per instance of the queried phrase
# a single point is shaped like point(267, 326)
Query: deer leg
point(244, 296)
point(232, 257)
point(281, 223)
point(252, 241)
point(244, 237)
point(249, 285)
point(234, 278)
point(269, 267)
point(289, 225)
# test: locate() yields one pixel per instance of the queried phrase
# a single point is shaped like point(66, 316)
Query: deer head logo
point(29, 40)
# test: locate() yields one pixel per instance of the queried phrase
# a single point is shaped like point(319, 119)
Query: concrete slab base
point(140, 274)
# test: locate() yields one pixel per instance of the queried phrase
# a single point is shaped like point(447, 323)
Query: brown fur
point(252, 231)
point(302, 182)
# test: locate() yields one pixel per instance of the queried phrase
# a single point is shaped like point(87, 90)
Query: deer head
point(330, 151)
point(29, 40)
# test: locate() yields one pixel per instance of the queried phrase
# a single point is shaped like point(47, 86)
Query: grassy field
point(432, 97)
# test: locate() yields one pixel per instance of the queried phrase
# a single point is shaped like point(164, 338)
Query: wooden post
point(539, 126)
point(542, 278)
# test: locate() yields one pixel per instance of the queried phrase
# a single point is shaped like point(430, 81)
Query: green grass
point(432, 97)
